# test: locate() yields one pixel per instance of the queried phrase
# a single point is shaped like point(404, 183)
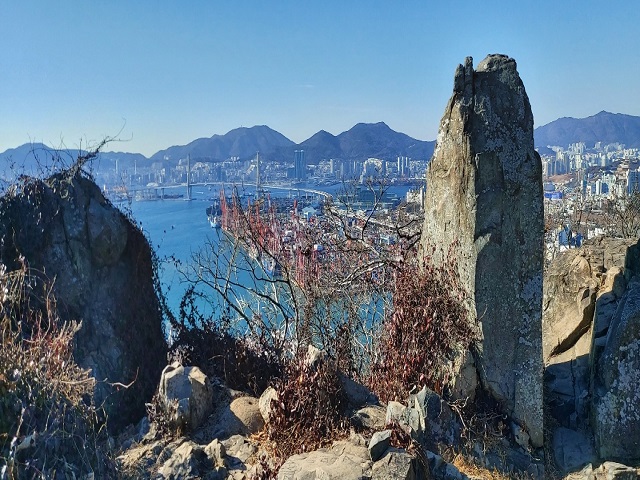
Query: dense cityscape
point(297, 171)
point(583, 188)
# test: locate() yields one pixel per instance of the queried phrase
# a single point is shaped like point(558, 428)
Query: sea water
point(177, 229)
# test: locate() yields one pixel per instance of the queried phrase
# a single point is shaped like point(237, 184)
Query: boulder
point(328, 464)
point(569, 301)
point(606, 471)
point(379, 443)
point(396, 465)
point(235, 458)
point(187, 461)
point(408, 417)
point(103, 271)
point(346, 460)
point(239, 452)
point(371, 417)
point(216, 452)
point(187, 394)
point(484, 208)
point(616, 388)
point(264, 403)
point(247, 411)
point(241, 417)
point(438, 422)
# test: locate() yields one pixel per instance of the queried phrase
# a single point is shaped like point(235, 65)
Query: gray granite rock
point(371, 417)
point(379, 443)
point(439, 423)
point(616, 389)
point(328, 464)
point(186, 394)
point(483, 207)
point(185, 462)
point(102, 268)
point(396, 465)
point(606, 471)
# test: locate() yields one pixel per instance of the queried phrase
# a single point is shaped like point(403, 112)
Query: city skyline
point(157, 74)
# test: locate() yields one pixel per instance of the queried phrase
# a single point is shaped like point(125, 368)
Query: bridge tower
point(258, 186)
point(189, 177)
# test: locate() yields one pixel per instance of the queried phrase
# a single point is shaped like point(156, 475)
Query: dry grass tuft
point(48, 424)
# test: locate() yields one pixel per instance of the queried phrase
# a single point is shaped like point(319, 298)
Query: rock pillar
point(484, 210)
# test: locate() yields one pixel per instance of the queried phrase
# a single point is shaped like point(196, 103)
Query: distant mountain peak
point(242, 142)
point(371, 125)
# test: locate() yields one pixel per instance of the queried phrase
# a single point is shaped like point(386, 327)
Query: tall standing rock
point(484, 209)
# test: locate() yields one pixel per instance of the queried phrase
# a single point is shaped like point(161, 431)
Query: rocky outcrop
point(579, 282)
point(434, 426)
point(183, 458)
point(343, 461)
point(483, 208)
point(582, 290)
point(101, 265)
point(592, 350)
point(606, 471)
point(616, 389)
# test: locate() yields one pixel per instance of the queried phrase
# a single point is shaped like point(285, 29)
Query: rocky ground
point(224, 435)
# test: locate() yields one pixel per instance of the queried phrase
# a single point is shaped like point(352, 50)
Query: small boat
point(214, 221)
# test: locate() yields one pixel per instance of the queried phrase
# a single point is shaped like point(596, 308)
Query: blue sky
point(161, 73)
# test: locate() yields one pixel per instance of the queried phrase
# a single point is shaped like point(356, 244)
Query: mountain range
point(603, 127)
point(362, 141)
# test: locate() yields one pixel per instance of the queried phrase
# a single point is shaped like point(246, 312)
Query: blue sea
point(176, 230)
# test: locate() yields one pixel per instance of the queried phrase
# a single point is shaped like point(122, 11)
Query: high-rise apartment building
point(300, 165)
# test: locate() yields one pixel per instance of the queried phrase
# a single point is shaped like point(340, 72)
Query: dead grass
point(476, 472)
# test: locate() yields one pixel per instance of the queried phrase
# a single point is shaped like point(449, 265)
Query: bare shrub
point(242, 363)
point(427, 328)
point(309, 411)
point(333, 285)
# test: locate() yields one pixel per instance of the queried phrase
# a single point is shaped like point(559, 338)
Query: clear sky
point(164, 73)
